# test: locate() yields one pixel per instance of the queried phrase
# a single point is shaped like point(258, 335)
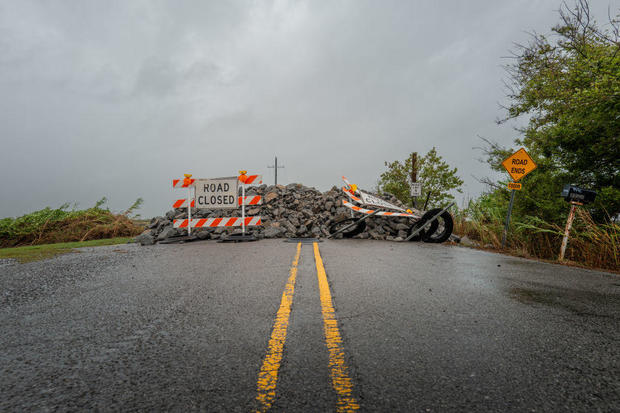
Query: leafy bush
point(64, 225)
point(590, 244)
point(432, 172)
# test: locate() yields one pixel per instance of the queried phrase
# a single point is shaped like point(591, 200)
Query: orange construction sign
point(514, 185)
point(519, 164)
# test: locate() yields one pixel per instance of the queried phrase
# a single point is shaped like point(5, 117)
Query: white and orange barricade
point(216, 222)
point(200, 200)
point(182, 203)
point(245, 200)
point(431, 219)
point(252, 179)
point(188, 183)
point(183, 183)
point(251, 200)
point(247, 181)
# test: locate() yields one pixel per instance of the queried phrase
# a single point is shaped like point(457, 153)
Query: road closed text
point(216, 200)
point(220, 193)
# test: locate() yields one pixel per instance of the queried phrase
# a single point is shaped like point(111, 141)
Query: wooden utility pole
point(275, 168)
point(414, 174)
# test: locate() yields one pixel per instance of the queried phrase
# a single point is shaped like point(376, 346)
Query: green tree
point(432, 171)
point(568, 85)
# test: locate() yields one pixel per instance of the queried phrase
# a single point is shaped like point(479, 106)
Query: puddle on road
point(581, 303)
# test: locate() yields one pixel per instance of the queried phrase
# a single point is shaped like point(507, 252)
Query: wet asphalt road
point(423, 328)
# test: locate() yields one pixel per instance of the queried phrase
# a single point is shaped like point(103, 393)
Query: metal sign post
point(189, 209)
point(512, 200)
point(242, 178)
point(187, 181)
point(428, 197)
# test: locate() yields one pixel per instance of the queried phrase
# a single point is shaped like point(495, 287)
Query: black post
point(428, 196)
point(512, 200)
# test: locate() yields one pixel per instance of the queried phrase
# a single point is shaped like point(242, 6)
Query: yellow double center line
point(341, 382)
point(268, 375)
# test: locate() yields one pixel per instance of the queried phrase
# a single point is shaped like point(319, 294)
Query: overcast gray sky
point(117, 98)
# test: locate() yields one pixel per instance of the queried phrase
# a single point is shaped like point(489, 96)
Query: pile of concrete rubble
point(287, 211)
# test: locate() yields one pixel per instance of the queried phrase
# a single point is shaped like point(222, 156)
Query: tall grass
point(590, 244)
point(65, 225)
point(479, 222)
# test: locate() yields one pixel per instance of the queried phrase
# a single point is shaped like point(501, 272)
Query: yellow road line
point(268, 375)
point(341, 382)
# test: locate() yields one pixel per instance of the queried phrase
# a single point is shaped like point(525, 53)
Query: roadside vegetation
point(591, 244)
point(535, 234)
point(567, 86)
point(61, 225)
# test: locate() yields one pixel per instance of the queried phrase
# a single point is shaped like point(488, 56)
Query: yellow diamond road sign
point(519, 164)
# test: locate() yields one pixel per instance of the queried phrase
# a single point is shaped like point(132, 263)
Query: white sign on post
point(217, 193)
point(416, 189)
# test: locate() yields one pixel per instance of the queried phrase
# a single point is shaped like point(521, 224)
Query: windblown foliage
point(590, 244)
point(568, 85)
point(64, 225)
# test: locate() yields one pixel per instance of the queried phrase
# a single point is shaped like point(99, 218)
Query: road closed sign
point(519, 164)
point(217, 193)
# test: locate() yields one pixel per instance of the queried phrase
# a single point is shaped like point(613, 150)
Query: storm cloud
point(118, 98)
